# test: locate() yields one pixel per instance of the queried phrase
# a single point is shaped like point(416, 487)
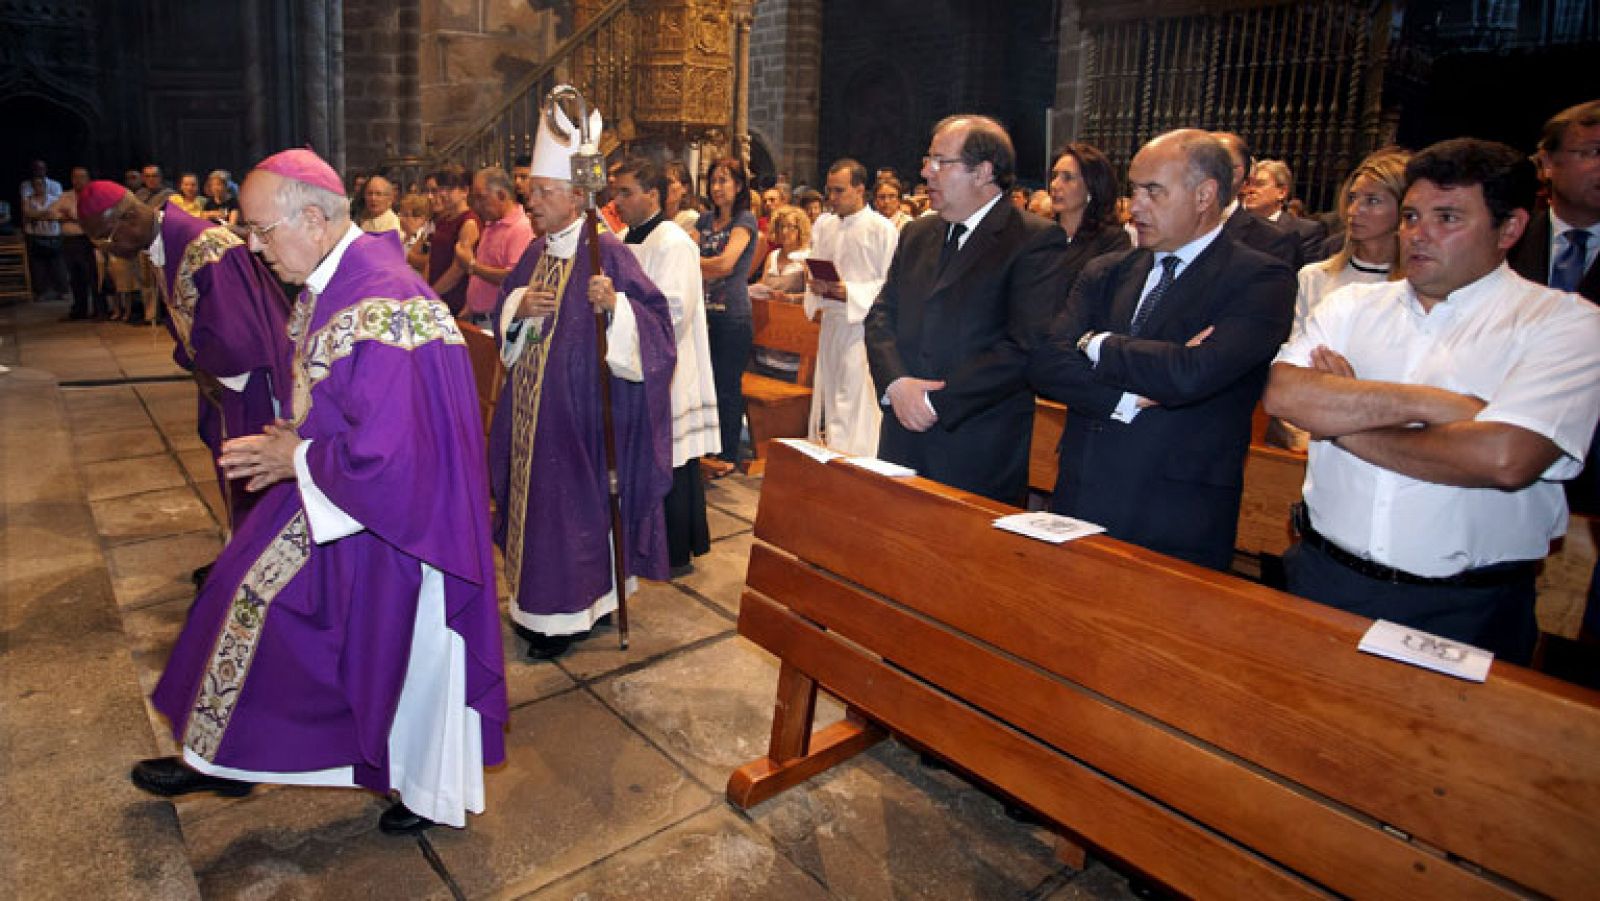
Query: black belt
point(1482, 577)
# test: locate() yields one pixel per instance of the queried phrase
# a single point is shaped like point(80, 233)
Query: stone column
point(1066, 120)
point(741, 96)
point(321, 68)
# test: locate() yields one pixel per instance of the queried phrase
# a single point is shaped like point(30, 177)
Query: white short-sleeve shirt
point(1531, 353)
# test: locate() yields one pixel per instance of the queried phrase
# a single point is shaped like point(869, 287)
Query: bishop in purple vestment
point(227, 316)
point(546, 443)
point(349, 634)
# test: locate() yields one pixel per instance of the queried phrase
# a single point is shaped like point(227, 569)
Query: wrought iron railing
point(596, 59)
point(1294, 79)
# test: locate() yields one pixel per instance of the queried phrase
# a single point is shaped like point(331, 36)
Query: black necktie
point(951, 245)
point(1568, 269)
point(1142, 315)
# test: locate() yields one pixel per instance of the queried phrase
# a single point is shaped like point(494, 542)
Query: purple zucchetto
point(302, 165)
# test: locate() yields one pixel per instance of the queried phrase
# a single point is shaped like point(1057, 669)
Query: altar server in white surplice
point(860, 243)
point(671, 259)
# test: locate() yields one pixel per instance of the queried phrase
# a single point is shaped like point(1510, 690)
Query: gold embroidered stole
point(406, 324)
point(223, 681)
point(527, 388)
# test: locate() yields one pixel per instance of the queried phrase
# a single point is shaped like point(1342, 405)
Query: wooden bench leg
point(796, 753)
point(1069, 852)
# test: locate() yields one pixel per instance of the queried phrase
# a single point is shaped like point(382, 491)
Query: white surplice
point(845, 415)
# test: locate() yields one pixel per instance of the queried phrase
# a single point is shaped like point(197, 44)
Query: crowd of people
point(1443, 393)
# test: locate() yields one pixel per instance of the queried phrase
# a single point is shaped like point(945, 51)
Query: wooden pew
point(488, 373)
point(1272, 481)
point(773, 407)
point(1227, 740)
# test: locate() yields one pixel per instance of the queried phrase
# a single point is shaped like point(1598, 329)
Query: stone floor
point(617, 762)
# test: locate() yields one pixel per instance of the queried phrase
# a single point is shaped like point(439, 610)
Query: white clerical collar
point(564, 244)
point(158, 248)
point(1276, 215)
point(1228, 212)
point(1191, 251)
point(320, 276)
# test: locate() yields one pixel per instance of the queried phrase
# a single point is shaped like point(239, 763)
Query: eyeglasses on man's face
point(263, 233)
point(935, 163)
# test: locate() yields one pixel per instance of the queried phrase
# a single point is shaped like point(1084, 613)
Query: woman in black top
point(1083, 193)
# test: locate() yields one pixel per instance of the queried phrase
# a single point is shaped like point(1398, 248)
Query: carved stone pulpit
point(684, 64)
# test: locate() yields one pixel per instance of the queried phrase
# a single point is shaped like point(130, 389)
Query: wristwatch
point(1083, 342)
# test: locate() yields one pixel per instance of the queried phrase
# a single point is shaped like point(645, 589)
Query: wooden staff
point(586, 171)
point(613, 484)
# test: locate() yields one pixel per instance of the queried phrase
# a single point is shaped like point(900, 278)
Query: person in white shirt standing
point(845, 414)
point(1445, 411)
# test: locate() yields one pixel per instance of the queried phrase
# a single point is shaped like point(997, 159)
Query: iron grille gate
point(1294, 79)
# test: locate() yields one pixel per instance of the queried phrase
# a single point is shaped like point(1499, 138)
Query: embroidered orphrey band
point(406, 324)
point(225, 673)
point(527, 388)
point(207, 248)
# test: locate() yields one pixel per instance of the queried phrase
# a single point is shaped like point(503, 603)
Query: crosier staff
point(589, 174)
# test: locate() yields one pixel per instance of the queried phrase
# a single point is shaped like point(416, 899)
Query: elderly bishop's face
point(552, 203)
point(283, 237)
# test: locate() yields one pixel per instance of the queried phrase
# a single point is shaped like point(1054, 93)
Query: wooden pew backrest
point(1228, 739)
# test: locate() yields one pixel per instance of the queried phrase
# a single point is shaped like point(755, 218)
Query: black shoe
point(168, 777)
point(199, 575)
point(681, 570)
point(548, 647)
point(399, 820)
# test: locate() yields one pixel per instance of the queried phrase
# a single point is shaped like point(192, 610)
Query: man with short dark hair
point(77, 251)
point(860, 244)
point(1244, 226)
point(455, 226)
point(671, 259)
point(521, 171)
point(1559, 249)
point(43, 233)
point(968, 293)
point(153, 190)
point(1445, 410)
point(1160, 355)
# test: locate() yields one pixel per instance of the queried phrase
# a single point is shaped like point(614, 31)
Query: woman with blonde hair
point(1371, 253)
point(782, 275)
point(1371, 213)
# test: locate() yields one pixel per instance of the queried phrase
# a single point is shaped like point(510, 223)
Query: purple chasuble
point(228, 317)
point(565, 554)
point(294, 653)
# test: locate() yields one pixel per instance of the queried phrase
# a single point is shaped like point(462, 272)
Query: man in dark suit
point(1160, 356)
point(969, 292)
point(1244, 226)
point(1559, 249)
point(1560, 245)
point(1267, 193)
